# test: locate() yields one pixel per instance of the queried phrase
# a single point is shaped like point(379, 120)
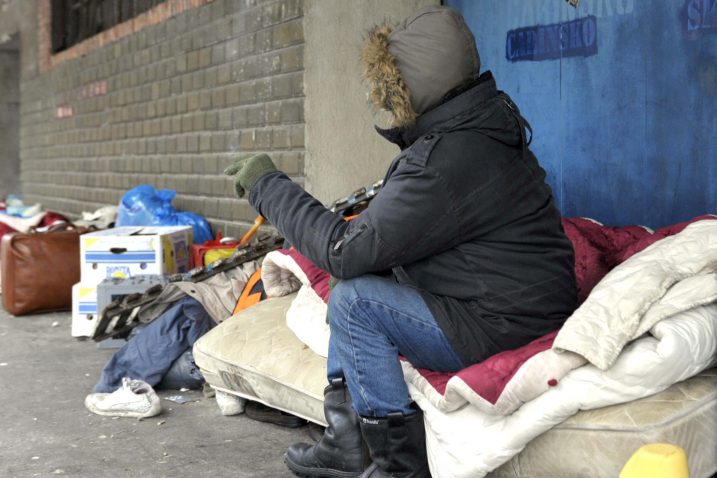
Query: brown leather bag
point(39, 269)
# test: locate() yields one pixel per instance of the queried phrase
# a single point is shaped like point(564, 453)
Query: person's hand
point(247, 170)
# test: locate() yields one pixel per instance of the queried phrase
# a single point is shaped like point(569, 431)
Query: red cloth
point(599, 248)
point(318, 278)
point(51, 218)
point(47, 220)
point(489, 377)
point(5, 229)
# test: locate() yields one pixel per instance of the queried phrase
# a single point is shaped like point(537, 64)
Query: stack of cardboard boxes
point(124, 252)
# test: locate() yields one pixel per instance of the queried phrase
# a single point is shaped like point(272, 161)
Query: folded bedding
point(471, 443)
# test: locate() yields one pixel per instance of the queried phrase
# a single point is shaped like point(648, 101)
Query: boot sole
point(306, 472)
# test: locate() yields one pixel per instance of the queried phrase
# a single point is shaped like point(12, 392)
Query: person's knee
point(342, 296)
point(347, 291)
point(345, 294)
point(365, 286)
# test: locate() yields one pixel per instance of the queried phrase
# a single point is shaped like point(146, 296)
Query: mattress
point(597, 443)
point(254, 355)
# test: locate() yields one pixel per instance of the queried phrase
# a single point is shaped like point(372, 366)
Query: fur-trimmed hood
point(411, 66)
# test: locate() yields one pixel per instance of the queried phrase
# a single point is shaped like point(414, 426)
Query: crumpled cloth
point(218, 294)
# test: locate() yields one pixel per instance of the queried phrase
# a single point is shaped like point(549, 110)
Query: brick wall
point(167, 99)
point(9, 115)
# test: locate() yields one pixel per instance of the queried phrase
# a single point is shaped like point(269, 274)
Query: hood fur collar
point(387, 88)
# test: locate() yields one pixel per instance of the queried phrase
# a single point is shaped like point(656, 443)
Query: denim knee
point(342, 296)
point(347, 292)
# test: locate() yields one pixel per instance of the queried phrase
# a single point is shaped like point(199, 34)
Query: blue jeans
point(373, 320)
point(150, 354)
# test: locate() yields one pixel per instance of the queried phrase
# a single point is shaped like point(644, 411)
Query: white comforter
point(664, 290)
point(470, 443)
point(673, 275)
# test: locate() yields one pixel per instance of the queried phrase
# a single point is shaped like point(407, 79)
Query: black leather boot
point(340, 451)
point(398, 446)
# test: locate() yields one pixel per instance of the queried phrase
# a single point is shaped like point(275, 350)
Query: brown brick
point(292, 59)
point(198, 122)
point(291, 163)
point(218, 98)
point(193, 102)
point(288, 33)
point(256, 115)
point(225, 120)
point(223, 74)
point(273, 112)
point(211, 121)
point(205, 57)
point(296, 135)
point(205, 100)
point(219, 142)
point(193, 143)
point(281, 86)
point(205, 143)
point(192, 60)
point(280, 138)
point(292, 111)
point(246, 140)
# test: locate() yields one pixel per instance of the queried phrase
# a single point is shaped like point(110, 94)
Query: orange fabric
point(247, 297)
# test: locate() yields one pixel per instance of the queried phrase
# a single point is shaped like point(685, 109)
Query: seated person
point(460, 256)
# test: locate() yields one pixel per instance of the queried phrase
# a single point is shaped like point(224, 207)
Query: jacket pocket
point(350, 237)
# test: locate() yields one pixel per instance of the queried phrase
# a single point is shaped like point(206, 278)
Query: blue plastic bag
point(202, 230)
point(146, 206)
point(142, 205)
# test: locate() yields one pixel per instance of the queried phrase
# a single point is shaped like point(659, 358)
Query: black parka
point(464, 216)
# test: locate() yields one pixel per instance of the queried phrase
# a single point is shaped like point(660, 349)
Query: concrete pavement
point(45, 429)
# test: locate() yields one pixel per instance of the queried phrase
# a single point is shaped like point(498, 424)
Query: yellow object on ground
point(657, 460)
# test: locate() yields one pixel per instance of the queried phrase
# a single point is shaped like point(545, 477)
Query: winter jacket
point(464, 216)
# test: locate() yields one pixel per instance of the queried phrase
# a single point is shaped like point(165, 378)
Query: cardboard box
point(116, 289)
point(89, 299)
point(134, 250)
point(84, 309)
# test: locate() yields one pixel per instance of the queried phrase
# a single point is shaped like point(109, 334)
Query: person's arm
point(410, 219)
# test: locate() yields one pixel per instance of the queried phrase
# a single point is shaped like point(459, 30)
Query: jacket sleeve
point(410, 219)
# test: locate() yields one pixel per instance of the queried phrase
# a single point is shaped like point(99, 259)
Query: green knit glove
point(247, 170)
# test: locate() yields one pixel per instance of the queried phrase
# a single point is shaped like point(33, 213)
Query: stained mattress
point(254, 355)
point(597, 443)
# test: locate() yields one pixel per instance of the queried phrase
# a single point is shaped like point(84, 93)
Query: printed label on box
point(120, 272)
